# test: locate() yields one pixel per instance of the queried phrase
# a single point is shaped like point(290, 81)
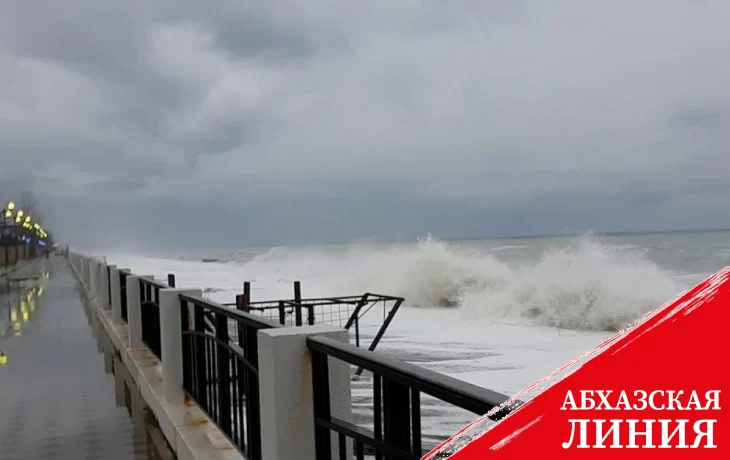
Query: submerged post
point(298, 302)
point(246, 295)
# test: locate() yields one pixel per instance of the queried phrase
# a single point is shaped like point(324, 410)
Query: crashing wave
point(584, 286)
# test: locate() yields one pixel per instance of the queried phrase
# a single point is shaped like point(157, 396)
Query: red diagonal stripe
point(681, 346)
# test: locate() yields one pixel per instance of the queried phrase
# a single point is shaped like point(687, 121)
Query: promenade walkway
point(56, 401)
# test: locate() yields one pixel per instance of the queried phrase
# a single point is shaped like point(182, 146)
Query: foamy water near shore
point(499, 314)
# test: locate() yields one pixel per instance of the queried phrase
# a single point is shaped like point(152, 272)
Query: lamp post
point(18, 224)
point(27, 239)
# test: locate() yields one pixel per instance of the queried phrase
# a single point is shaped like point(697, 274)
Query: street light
point(7, 213)
point(25, 229)
point(9, 210)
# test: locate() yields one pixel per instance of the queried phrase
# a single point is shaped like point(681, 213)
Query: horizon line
point(472, 238)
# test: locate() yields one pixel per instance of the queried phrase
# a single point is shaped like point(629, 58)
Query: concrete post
point(97, 279)
point(100, 269)
point(93, 273)
point(119, 293)
point(93, 276)
point(105, 303)
point(171, 341)
point(104, 286)
point(116, 295)
point(134, 313)
point(285, 387)
point(88, 273)
point(84, 270)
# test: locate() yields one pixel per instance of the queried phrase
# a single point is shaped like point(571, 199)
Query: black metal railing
point(397, 390)
point(123, 274)
point(345, 311)
point(220, 368)
point(342, 311)
point(149, 299)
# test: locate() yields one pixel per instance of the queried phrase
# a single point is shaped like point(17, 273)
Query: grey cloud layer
point(497, 107)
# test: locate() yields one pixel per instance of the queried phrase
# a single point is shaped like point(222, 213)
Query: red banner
point(654, 390)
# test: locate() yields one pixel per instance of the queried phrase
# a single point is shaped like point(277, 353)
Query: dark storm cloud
point(330, 120)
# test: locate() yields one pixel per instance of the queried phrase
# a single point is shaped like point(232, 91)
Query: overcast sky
point(328, 120)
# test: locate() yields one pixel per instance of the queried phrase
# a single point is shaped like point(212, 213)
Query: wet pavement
point(56, 400)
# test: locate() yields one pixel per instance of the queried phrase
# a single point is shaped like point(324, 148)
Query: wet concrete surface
point(56, 400)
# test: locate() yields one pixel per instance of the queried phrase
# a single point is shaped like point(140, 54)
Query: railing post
point(85, 270)
point(171, 341)
point(105, 303)
point(97, 279)
point(89, 271)
point(96, 283)
point(93, 275)
point(286, 394)
point(134, 313)
point(104, 292)
point(116, 296)
point(100, 281)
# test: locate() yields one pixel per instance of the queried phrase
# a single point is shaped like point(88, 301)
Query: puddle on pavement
point(19, 302)
point(149, 442)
